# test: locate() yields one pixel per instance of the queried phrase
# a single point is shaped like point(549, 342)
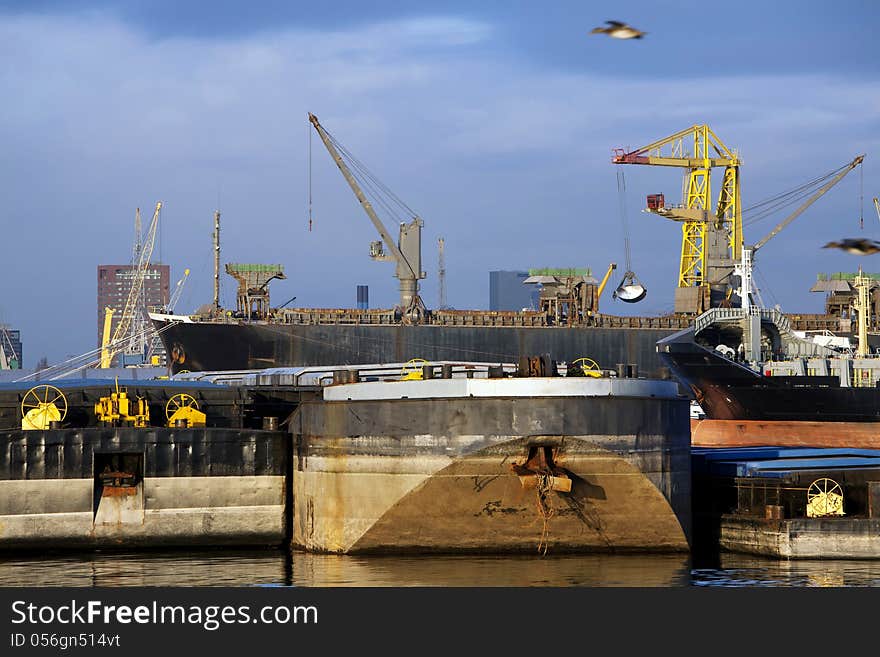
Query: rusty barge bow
point(501, 464)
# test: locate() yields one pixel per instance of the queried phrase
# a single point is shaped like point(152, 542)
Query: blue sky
point(496, 123)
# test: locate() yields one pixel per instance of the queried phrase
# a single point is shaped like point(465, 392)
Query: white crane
point(178, 288)
point(132, 322)
point(407, 253)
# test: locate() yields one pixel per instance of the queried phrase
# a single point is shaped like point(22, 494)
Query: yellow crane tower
point(711, 240)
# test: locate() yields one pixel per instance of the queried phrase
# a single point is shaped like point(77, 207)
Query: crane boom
point(653, 153)
point(794, 215)
point(367, 206)
point(132, 305)
point(604, 282)
point(407, 254)
point(178, 288)
point(106, 355)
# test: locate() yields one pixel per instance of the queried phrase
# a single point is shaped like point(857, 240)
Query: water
point(272, 567)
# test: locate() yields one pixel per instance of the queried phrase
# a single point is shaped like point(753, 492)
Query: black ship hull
point(728, 390)
point(213, 346)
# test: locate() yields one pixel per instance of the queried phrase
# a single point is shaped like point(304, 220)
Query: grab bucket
point(630, 289)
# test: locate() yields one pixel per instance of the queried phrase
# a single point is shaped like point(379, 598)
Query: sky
point(496, 123)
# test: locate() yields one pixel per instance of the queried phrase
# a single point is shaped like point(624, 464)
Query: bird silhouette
point(856, 246)
point(619, 30)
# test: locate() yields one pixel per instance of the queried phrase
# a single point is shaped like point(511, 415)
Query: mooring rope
point(544, 486)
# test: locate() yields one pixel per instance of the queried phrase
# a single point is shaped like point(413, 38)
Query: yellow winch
point(119, 410)
point(182, 410)
point(42, 407)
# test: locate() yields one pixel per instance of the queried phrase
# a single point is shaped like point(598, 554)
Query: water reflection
point(563, 570)
point(281, 568)
point(176, 568)
point(746, 570)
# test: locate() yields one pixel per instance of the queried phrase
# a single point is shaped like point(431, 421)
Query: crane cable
point(861, 197)
point(375, 188)
point(379, 194)
point(621, 197)
point(767, 207)
point(310, 178)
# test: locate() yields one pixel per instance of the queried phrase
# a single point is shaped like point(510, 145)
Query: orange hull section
point(755, 433)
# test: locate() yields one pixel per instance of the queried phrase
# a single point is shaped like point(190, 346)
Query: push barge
point(788, 503)
point(94, 464)
point(505, 463)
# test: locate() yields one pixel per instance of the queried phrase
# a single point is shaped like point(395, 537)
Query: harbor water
point(273, 567)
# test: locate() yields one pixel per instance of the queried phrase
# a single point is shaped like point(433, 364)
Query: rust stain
point(481, 482)
point(119, 491)
point(493, 507)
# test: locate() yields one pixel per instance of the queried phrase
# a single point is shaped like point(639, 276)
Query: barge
point(407, 457)
point(788, 503)
point(507, 463)
point(92, 464)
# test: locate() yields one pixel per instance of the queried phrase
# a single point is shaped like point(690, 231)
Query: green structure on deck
point(253, 287)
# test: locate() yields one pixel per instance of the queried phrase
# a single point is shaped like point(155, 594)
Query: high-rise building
point(10, 341)
point(363, 297)
point(507, 291)
point(114, 284)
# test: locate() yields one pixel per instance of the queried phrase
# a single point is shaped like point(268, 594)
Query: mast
point(441, 274)
point(216, 262)
point(863, 310)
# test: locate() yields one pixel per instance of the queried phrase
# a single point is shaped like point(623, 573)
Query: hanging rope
point(544, 486)
point(309, 128)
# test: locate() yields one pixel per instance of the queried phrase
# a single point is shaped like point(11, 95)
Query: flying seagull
point(856, 246)
point(619, 30)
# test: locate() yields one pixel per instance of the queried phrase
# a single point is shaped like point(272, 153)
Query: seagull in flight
point(619, 30)
point(856, 246)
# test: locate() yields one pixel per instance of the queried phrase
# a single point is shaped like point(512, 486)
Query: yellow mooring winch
point(119, 410)
point(182, 410)
point(43, 407)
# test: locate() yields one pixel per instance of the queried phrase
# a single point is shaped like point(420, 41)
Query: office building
point(507, 291)
point(114, 285)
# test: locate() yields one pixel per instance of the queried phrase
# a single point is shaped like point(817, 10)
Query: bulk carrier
point(567, 324)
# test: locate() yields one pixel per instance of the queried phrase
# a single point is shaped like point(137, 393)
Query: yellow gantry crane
point(711, 237)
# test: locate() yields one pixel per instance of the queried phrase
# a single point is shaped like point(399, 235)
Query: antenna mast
point(216, 262)
point(441, 275)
